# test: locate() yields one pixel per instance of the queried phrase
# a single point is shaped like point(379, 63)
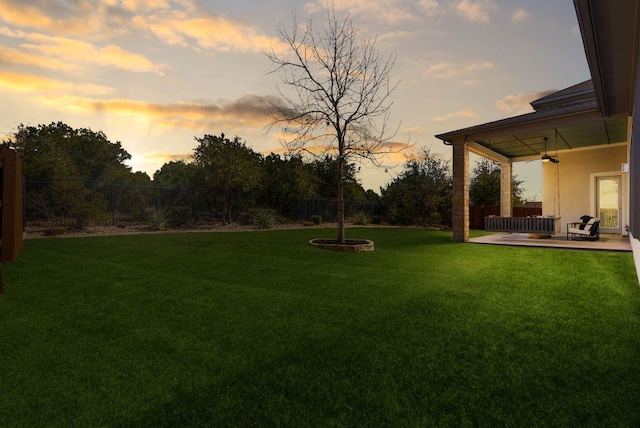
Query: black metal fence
point(72, 203)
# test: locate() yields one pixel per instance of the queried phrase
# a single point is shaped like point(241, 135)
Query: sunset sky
point(154, 74)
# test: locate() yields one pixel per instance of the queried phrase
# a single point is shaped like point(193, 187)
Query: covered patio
point(575, 143)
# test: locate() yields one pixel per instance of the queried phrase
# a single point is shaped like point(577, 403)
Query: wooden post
point(12, 224)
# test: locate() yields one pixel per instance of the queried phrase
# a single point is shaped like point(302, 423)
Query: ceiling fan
point(546, 157)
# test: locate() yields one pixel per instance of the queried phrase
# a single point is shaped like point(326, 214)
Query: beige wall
point(575, 175)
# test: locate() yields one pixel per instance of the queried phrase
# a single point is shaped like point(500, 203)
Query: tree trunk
point(340, 200)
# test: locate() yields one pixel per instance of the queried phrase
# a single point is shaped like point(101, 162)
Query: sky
point(155, 74)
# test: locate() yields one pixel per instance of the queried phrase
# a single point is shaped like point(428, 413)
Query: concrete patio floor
point(555, 241)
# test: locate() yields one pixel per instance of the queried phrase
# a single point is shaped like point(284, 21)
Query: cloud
point(23, 14)
point(416, 130)
point(79, 17)
point(450, 70)
point(151, 162)
point(19, 57)
point(167, 157)
point(391, 151)
point(474, 11)
point(391, 12)
point(248, 111)
point(520, 15)
point(181, 22)
point(80, 52)
point(429, 7)
point(465, 114)
point(142, 5)
point(71, 55)
point(30, 83)
point(519, 103)
point(208, 32)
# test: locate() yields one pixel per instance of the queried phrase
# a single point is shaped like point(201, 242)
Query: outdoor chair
point(584, 230)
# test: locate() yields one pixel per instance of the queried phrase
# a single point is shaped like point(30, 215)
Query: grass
point(258, 329)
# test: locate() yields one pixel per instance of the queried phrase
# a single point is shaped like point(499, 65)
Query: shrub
point(263, 218)
point(179, 216)
point(376, 219)
point(434, 218)
point(158, 219)
point(316, 219)
point(360, 219)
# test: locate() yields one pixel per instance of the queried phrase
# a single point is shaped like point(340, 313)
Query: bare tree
point(336, 95)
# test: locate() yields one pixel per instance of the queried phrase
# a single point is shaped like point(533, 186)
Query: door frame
point(621, 195)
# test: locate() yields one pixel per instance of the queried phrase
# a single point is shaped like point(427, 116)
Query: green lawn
point(259, 329)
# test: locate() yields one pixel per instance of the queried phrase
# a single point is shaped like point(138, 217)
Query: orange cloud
point(319, 146)
point(429, 7)
point(416, 130)
point(41, 48)
point(248, 111)
point(477, 11)
point(166, 157)
point(80, 17)
point(465, 113)
point(24, 15)
point(14, 56)
point(151, 162)
point(519, 103)
point(31, 83)
point(449, 70)
point(388, 11)
point(143, 5)
point(208, 32)
point(520, 15)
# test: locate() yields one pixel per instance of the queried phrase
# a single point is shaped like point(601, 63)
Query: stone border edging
point(350, 245)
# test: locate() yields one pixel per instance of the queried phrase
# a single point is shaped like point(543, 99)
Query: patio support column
point(460, 199)
point(505, 189)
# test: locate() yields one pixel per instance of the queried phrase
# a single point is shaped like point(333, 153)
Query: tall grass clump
point(263, 218)
point(159, 219)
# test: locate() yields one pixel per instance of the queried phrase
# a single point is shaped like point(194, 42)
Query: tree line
point(231, 177)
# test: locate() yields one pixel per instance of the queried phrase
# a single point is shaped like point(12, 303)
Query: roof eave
point(529, 121)
point(588, 31)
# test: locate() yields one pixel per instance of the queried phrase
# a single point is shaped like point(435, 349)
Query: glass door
point(609, 204)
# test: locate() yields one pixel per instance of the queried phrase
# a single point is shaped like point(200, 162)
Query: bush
point(158, 219)
point(316, 219)
point(360, 219)
point(376, 219)
point(179, 216)
point(434, 218)
point(263, 218)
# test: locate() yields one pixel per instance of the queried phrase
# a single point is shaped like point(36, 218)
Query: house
point(588, 135)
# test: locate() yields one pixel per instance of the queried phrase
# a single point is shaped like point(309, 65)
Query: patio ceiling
point(529, 144)
point(575, 124)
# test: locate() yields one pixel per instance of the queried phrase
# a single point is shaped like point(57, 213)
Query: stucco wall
point(575, 176)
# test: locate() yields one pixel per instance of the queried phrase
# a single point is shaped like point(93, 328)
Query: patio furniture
point(582, 230)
